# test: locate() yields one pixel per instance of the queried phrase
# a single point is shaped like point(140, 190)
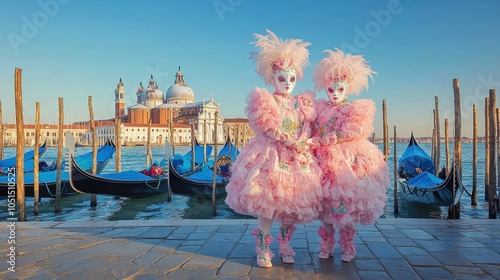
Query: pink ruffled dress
point(355, 175)
point(270, 178)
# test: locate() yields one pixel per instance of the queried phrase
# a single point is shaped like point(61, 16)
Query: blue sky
point(75, 49)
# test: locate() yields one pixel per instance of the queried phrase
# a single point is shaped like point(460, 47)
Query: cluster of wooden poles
point(492, 150)
point(20, 194)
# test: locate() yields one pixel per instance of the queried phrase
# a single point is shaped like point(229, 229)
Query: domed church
point(177, 107)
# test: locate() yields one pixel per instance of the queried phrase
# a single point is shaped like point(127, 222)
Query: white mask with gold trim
point(284, 81)
point(337, 91)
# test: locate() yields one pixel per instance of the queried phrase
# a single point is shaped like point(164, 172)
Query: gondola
point(418, 183)
point(196, 184)
point(200, 183)
point(48, 179)
point(229, 149)
point(8, 163)
point(226, 156)
point(131, 184)
point(183, 162)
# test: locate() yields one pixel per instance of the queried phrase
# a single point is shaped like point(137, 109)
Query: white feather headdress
point(347, 68)
point(276, 55)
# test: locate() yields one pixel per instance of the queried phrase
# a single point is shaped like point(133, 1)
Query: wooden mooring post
point(118, 145)
point(19, 173)
point(497, 138)
point(59, 170)
point(447, 146)
point(454, 211)
point(36, 185)
point(149, 157)
point(93, 197)
point(171, 130)
point(395, 174)
point(216, 168)
point(433, 142)
point(492, 197)
point(386, 130)
point(168, 155)
point(486, 147)
point(204, 141)
point(193, 152)
point(473, 200)
point(438, 136)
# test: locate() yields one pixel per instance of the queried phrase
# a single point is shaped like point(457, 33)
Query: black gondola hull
point(82, 181)
point(182, 185)
point(446, 193)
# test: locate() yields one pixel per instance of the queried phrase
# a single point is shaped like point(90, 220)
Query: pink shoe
point(263, 253)
point(327, 243)
point(347, 244)
point(286, 251)
point(347, 257)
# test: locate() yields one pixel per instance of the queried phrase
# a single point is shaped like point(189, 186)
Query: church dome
point(179, 91)
point(151, 92)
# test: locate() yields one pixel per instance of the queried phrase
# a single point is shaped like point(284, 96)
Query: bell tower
point(119, 100)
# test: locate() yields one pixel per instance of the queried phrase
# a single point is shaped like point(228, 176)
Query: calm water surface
point(77, 207)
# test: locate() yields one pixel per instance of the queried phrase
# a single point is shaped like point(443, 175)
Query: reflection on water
point(76, 208)
point(201, 208)
point(408, 209)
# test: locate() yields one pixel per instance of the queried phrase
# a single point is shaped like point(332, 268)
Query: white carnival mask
point(337, 91)
point(284, 81)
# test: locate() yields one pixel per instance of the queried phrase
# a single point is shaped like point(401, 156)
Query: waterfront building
point(177, 110)
point(239, 131)
point(48, 133)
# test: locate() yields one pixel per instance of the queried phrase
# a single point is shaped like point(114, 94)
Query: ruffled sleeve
point(356, 120)
point(263, 113)
point(307, 105)
point(320, 105)
point(321, 134)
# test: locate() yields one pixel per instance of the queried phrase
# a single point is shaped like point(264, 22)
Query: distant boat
point(418, 183)
point(48, 180)
point(7, 163)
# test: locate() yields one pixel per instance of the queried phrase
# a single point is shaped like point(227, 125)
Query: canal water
point(77, 207)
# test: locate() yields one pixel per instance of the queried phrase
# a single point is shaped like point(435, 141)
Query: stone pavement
point(224, 249)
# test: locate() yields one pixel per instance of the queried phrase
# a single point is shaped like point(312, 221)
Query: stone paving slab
point(224, 249)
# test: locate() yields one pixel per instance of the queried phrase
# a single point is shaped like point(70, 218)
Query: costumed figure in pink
point(355, 175)
point(275, 177)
